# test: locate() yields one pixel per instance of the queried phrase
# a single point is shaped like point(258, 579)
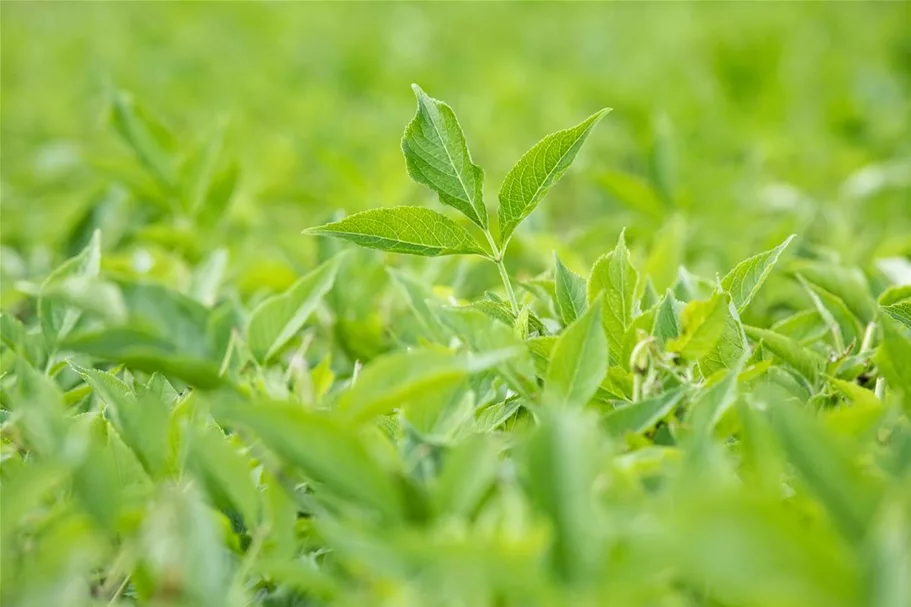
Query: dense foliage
point(662, 357)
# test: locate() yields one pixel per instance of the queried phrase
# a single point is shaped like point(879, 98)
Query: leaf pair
point(436, 155)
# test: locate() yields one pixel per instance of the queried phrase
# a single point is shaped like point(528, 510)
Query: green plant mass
point(658, 357)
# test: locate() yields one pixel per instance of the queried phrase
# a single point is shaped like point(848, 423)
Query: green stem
point(498, 259)
point(509, 292)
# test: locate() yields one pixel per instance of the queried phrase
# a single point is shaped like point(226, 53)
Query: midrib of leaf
point(458, 174)
point(544, 182)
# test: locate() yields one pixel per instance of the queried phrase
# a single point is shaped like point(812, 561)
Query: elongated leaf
point(409, 230)
point(276, 320)
point(578, 361)
point(614, 275)
point(703, 322)
point(561, 474)
point(468, 471)
point(900, 311)
point(806, 362)
point(848, 284)
point(390, 381)
point(144, 135)
point(730, 347)
point(225, 473)
point(828, 470)
point(417, 294)
point(569, 289)
point(483, 336)
point(641, 416)
point(537, 171)
point(437, 156)
point(666, 325)
point(894, 357)
point(327, 451)
point(747, 277)
point(835, 313)
point(57, 318)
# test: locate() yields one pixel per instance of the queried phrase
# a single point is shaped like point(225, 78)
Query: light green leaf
point(848, 284)
point(806, 362)
point(225, 473)
point(391, 380)
point(437, 156)
point(147, 137)
point(409, 230)
point(537, 171)
point(747, 277)
point(417, 293)
point(829, 470)
point(483, 336)
point(561, 458)
point(703, 322)
point(641, 416)
point(327, 451)
point(894, 357)
point(569, 289)
point(730, 347)
point(578, 361)
point(896, 302)
point(614, 275)
point(666, 326)
point(276, 320)
point(840, 320)
point(468, 471)
point(58, 318)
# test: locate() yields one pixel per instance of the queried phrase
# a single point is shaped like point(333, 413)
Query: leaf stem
point(504, 275)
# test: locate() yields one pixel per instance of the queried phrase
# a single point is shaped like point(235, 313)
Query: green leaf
point(806, 362)
point(840, 320)
point(569, 289)
point(537, 171)
point(828, 469)
point(437, 156)
point(614, 275)
point(417, 293)
point(468, 471)
point(848, 284)
point(747, 277)
point(391, 380)
point(147, 137)
point(560, 459)
point(703, 322)
point(894, 357)
point(641, 416)
point(225, 473)
point(578, 361)
point(483, 336)
point(327, 451)
point(896, 301)
point(58, 318)
point(730, 347)
point(409, 230)
point(666, 326)
point(276, 320)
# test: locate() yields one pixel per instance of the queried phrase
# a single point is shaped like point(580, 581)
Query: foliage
point(702, 397)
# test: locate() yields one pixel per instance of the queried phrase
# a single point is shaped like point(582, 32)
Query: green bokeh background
point(767, 110)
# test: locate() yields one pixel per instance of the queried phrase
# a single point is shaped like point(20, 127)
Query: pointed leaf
point(276, 320)
point(437, 156)
point(641, 416)
point(806, 362)
point(578, 361)
point(409, 230)
point(747, 277)
point(614, 275)
point(537, 171)
point(569, 289)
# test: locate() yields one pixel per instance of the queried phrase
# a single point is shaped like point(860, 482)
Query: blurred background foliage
point(199, 139)
point(751, 121)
